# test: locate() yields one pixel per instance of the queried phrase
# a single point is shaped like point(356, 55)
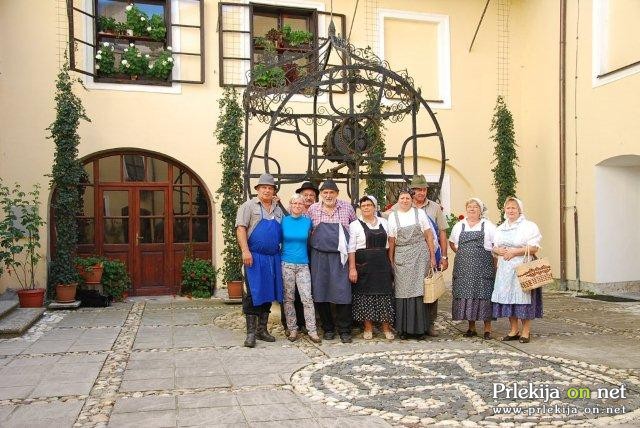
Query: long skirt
point(376, 308)
point(523, 312)
point(471, 309)
point(412, 316)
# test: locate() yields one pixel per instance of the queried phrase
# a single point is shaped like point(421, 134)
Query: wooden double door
point(136, 229)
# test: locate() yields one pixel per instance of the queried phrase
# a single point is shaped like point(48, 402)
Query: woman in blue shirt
point(295, 268)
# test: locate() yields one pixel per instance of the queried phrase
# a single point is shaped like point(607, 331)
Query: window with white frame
point(428, 61)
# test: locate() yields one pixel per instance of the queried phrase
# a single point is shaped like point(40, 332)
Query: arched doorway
point(146, 210)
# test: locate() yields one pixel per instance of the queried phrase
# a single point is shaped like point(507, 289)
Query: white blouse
point(489, 231)
point(407, 218)
point(357, 238)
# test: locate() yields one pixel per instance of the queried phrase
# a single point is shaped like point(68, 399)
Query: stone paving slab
point(6, 306)
point(19, 320)
point(177, 362)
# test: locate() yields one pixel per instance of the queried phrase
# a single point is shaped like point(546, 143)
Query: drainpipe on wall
point(563, 144)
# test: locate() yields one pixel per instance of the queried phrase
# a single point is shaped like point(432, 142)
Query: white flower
point(142, 18)
point(139, 55)
point(99, 52)
point(169, 48)
point(127, 65)
point(105, 44)
point(129, 7)
point(164, 62)
point(170, 59)
point(126, 49)
point(150, 66)
point(97, 67)
point(146, 55)
point(125, 62)
point(132, 44)
point(148, 28)
point(98, 56)
point(112, 48)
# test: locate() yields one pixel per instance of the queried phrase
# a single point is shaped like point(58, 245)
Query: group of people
point(322, 258)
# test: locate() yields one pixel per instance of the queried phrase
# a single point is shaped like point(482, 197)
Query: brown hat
point(308, 185)
point(418, 182)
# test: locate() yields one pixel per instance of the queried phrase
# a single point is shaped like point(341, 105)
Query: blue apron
point(265, 274)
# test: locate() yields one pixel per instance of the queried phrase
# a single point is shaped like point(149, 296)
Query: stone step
point(19, 320)
point(7, 306)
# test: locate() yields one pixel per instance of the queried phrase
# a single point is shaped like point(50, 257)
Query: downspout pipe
point(562, 128)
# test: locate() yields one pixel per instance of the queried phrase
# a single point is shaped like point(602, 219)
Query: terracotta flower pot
point(91, 275)
point(31, 298)
point(66, 293)
point(234, 289)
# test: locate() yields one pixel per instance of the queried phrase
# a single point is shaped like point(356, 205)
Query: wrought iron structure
point(327, 129)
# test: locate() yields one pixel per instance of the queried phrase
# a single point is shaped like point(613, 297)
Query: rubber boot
point(252, 321)
point(262, 333)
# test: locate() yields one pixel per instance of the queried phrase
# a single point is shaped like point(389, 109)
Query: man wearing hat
point(259, 235)
point(309, 194)
point(434, 212)
point(328, 259)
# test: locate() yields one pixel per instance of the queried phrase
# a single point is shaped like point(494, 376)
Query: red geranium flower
point(460, 217)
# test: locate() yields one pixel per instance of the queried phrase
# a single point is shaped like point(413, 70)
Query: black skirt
point(412, 316)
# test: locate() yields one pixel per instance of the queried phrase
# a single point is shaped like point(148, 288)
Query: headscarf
point(483, 207)
point(371, 198)
point(517, 201)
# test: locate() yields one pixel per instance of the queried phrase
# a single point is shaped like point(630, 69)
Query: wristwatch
point(444, 258)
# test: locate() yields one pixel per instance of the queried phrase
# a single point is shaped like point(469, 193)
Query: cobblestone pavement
point(170, 362)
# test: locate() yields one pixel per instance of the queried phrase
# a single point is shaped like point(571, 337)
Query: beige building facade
point(151, 146)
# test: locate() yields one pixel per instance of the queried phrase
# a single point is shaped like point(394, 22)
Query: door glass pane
point(181, 229)
point(116, 231)
point(181, 200)
point(262, 24)
point(200, 229)
point(88, 169)
point(151, 230)
point(151, 202)
point(296, 22)
point(109, 169)
point(85, 231)
point(116, 203)
point(200, 206)
point(133, 169)
point(157, 170)
point(86, 202)
point(180, 176)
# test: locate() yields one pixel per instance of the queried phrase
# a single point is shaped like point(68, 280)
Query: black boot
point(252, 321)
point(262, 333)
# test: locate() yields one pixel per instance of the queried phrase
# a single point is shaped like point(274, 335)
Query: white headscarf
point(483, 207)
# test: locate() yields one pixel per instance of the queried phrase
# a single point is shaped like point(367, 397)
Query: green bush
point(198, 277)
point(106, 23)
point(156, 28)
point(295, 37)
point(115, 278)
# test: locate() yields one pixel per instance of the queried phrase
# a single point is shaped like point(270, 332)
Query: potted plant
point(162, 66)
point(156, 27)
point(115, 279)
point(106, 60)
point(66, 176)
point(295, 38)
point(20, 240)
point(274, 36)
point(107, 24)
point(268, 76)
point(198, 277)
point(133, 62)
point(230, 193)
point(90, 268)
point(137, 20)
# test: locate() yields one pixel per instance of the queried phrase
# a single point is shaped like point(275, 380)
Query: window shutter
point(235, 42)
point(82, 46)
point(191, 35)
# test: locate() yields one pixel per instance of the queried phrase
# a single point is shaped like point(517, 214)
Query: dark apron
point(473, 273)
point(265, 274)
point(329, 277)
point(372, 263)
